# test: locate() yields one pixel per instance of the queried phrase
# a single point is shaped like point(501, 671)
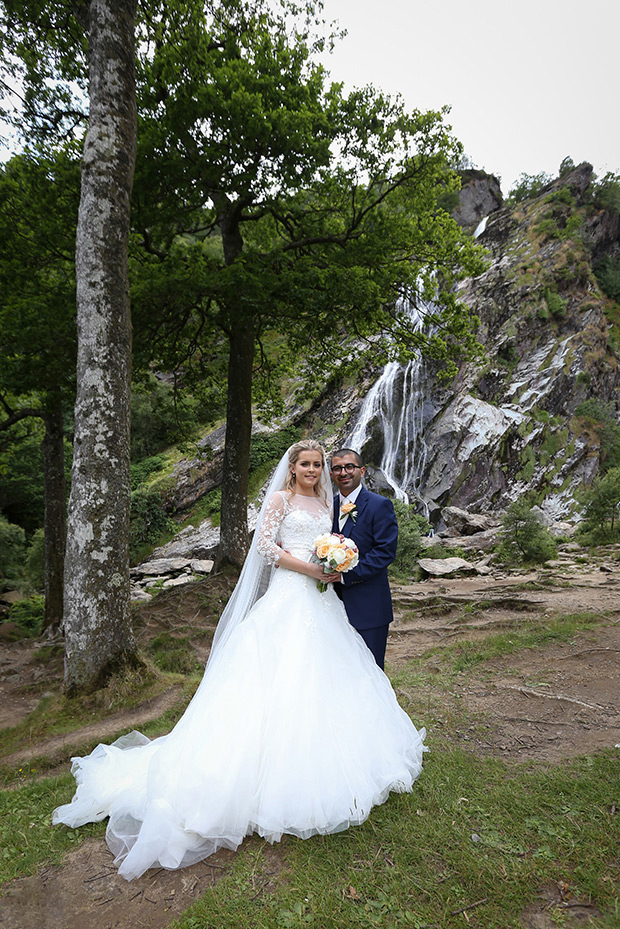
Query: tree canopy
point(274, 216)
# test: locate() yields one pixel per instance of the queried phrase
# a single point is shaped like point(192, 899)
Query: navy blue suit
point(365, 590)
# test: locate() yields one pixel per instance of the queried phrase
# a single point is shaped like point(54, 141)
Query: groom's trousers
point(376, 640)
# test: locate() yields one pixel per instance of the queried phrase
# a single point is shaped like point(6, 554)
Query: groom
point(369, 520)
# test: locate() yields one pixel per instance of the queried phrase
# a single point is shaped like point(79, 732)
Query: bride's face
point(307, 470)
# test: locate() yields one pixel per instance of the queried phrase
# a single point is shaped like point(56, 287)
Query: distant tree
point(528, 185)
point(12, 545)
point(38, 209)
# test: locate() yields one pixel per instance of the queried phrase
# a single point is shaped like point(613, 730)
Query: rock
point(461, 522)
point(139, 595)
point(480, 194)
point(201, 566)
point(479, 541)
point(441, 567)
point(541, 516)
point(160, 566)
point(10, 631)
point(178, 581)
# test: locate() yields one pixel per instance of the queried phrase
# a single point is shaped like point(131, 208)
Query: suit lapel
point(336, 519)
point(360, 505)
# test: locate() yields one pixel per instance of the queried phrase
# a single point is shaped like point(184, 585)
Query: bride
point(293, 729)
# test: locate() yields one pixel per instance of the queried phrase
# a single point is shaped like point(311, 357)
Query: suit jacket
point(366, 591)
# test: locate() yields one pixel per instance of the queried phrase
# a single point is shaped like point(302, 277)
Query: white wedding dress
point(294, 729)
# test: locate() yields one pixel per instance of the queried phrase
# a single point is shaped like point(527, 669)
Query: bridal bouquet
point(335, 553)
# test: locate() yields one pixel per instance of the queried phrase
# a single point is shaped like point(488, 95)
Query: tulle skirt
point(294, 729)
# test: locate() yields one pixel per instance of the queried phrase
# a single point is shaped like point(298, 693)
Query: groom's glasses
point(349, 468)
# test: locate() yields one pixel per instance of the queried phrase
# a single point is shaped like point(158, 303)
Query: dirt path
point(544, 704)
point(60, 747)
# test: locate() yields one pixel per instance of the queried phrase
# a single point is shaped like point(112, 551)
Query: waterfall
point(396, 404)
point(481, 227)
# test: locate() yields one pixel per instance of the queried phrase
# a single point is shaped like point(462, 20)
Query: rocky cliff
point(512, 424)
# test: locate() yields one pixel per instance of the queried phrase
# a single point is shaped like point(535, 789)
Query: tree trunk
point(55, 525)
point(99, 638)
point(234, 513)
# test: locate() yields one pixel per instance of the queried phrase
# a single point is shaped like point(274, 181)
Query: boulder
point(177, 581)
point(442, 567)
point(461, 522)
point(201, 566)
point(478, 542)
point(160, 566)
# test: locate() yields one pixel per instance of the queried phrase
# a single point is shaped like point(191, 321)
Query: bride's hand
point(316, 571)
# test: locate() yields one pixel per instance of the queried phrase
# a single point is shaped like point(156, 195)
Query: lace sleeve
point(270, 526)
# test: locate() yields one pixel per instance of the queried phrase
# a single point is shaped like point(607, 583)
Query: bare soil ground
point(539, 704)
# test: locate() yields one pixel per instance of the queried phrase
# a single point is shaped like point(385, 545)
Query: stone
point(442, 567)
point(139, 595)
point(479, 541)
point(178, 581)
point(201, 566)
point(464, 523)
point(160, 566)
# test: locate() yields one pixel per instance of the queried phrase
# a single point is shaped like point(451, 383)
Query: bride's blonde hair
point(305, 445)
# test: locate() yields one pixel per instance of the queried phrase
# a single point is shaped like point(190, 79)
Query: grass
point(471, 832)
point(473, 844)
point(529, 633)
point(27, 838)
point(471, 838)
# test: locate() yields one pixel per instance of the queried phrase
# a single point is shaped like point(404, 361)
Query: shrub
point(28, 615)
point(142, 470)
point(555, 303)
point(607, 272)
point(411, 527)
point(12, 545)
point(524, 538)
point(607, 193)
point(601, 507)
point(35, 560)
point(563, 195)
point(148, 519)
point(602, 416)
point(268, 447)
point(528, 185)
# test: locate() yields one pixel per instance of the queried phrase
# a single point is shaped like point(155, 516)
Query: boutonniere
point(349, 509)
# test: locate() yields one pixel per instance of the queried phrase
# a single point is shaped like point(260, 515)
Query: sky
point(528, 83)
